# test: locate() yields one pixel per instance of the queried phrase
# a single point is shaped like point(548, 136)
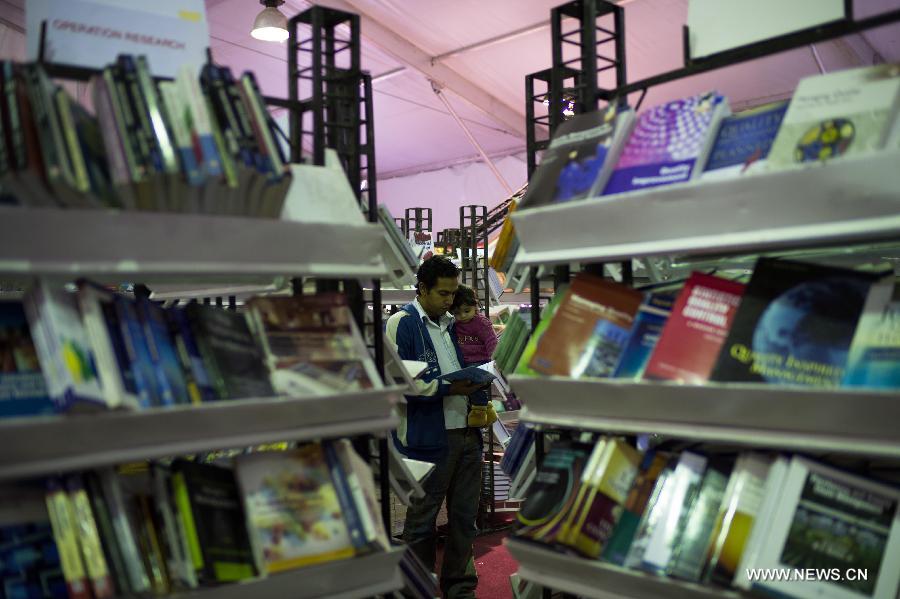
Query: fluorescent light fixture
point(270, 24)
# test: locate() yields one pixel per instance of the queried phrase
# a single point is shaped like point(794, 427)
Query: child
point(477, 342)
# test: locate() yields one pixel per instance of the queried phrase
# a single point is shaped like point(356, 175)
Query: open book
point(483, 374)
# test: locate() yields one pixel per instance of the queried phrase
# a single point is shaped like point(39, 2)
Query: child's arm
point(487, 334)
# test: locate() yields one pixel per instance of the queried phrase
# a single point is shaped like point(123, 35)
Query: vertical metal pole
point(318, 103)
point(295, 117)
point(535, 297)
point(385, 484)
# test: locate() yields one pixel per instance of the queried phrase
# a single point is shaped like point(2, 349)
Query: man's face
point(437, 300)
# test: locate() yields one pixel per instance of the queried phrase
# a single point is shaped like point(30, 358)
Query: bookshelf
point(51, 444)
point(151, 247)
point(365, 576)
point(854, 200)
point(804, 419)
point(598, 580)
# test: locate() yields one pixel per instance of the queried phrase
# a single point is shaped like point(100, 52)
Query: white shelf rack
point(850, 421)
point(165, 247)
point(851, 200)
point(358, 577)
point(51, 444)
point(598, 580)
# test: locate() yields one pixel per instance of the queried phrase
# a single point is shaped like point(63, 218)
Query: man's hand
point(463, 388)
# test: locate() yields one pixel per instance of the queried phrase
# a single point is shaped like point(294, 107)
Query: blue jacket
point(422, 434)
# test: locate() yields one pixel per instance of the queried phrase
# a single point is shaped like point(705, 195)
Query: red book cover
point(693, 335)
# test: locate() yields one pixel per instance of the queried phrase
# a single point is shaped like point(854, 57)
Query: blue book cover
point(345, 497)
point(30, 567)
point(138, 353)
point(746, 137)
point(648, 325)
point(604, 348)
point(23, 391)
point(184, 336)
point(667, 142)
point(167, 366)
point(875, 352)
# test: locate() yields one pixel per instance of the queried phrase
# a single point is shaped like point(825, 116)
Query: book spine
point(345, 498)
point(62, 520)
point(157, 123)
point(89, 541)
point(118, 512)
point(178, 565)
point(186, 515)
point(108, 540)
point(138, 354)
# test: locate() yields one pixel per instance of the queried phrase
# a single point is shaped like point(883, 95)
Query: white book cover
point(837, 533)
point(322, 194)
point(844, 113)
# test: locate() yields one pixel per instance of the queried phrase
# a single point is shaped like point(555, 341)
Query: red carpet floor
point(494, 565)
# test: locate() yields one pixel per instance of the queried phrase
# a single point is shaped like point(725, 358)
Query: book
point(619, 542)
point(743, 141)
point(178, 565)
point(208, 501)
point(314, 339)
point(652, 315)
point(293, 511)
point(362, 487)
point(29, 561)
point(350, 509)
point(736, 517)
point(63, 348)
point(673, 509)
point(669, 143)
point(580, 157)
point(481, 374)
point(648, 520)
point(587, 332)
point(137, 349)
point(795, 324)
point(605, 484)
point(65, 531)
point(108, 539)
point(842, 525)
point(844, 113)
point(231, 355)
point(166, 363)
point(23, 390)
point(192, 361)
point(694, 333)
point(874, 359)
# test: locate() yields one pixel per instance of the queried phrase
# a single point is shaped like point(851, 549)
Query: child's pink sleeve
point(487, 334)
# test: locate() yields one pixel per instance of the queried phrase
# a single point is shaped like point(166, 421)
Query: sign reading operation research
point(91, 33)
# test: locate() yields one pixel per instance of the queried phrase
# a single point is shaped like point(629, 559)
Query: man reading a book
point(433, 428)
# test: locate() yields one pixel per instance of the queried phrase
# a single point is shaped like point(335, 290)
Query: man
point(433, 428)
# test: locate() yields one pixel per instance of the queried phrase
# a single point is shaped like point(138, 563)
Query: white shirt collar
point(445, 321)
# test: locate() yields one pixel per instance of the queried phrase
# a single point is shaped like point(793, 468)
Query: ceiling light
point(270, 24)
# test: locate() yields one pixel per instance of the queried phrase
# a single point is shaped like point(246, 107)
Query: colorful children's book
point(796, 322)
point(669, 143)
point(693, 334)
point(743, 141)
point(581, 157)
point(587, 333)
point(837, 114)
point(23, 391)
point(293, 511)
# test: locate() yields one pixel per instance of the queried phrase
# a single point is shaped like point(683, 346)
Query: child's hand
point(463, 388)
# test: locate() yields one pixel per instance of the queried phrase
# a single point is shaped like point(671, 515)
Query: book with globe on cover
point(795, 324)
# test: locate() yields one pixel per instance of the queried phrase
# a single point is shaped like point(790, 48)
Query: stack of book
point(792, 323)
point(205, 145)
point(718, 518)
point(96, 349)
point(163, 528)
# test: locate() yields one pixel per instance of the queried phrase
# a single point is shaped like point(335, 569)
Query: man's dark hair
point(435, 268)
point(465, 296)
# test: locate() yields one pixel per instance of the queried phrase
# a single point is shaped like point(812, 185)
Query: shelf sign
point(91, 33)
point(718, 25)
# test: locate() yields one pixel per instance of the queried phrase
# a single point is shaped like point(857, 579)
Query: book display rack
point(826, 206)
point(202, 256)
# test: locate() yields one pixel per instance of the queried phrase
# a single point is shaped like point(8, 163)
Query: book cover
point(606, 485)
point(23, 391)
point(306, 334)
point(65, 532)
point(230, 352)
point(482, 374)
point(669, 143)
point(362, 487)
point(837, 114)
point(531, 345)
point(744, 140)
point(88, 536)
point(192, 360)
point(587, 332)
point(293, 511)
point(795, 324)
point(648, 520)
point(108, 540)
point(29, 562)
point(114, 499)
point(648, 324)
point(208, 500)
point(349, 508)
point(167, 364)
point(178, 564)
point(736, 517)
point(691, 545)
point(580, 157)
point(619, 542)
point(134, 339)
point(836, 523)
point(693, 335)
point(874, 359)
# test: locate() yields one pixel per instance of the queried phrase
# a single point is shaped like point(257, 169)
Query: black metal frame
point(417, 220)
point(472, 220)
